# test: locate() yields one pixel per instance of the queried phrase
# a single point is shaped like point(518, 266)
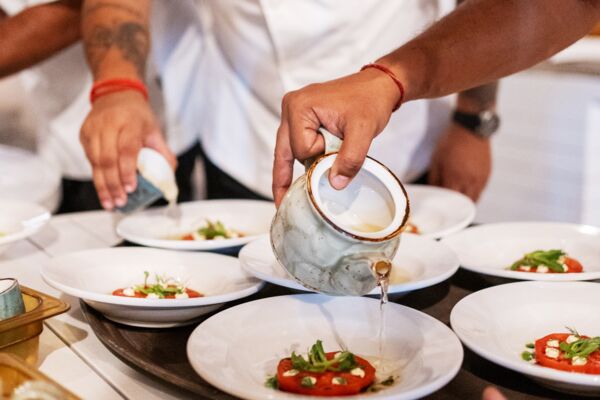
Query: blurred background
point(546, 164)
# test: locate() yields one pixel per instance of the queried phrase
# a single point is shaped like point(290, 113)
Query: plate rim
point(418, 392)
point(459, 226)
point(525, 276)
point(42, 215)
point(194, 244)
point(398, 288)
point(524, 368)
point(145, 303)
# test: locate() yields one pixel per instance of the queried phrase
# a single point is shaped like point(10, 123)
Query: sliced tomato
point(591, 367)
point(324, 385)
point(573, 264)
point(188, 236)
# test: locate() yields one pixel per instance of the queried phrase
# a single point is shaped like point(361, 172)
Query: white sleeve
point(12, 7)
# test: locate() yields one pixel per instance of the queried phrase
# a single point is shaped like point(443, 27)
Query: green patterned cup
point(11, 301)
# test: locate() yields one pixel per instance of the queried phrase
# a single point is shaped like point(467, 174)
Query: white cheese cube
point(572, 339)
point(552, 352)
point(129, 292)
point(338, 380)
point(579, 360)
point(358, 372)
point(291, 372)
point(542, 269)
point(183, 295)
point(525, 268)
point(152, 296)
point(552, 343)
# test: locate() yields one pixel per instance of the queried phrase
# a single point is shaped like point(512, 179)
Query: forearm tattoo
point(129, 36)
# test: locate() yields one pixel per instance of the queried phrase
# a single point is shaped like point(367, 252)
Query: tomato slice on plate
point(347, 384)
point(561, 363)
point(573, 264)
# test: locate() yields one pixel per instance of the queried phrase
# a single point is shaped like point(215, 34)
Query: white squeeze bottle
point(155, 179)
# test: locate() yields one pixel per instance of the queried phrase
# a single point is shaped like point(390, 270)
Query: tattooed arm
point(37, 33)
point(117, 42)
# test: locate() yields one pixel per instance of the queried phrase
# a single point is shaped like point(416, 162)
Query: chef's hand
point(491, 393)
point(461, 161)
point(115, 130)
point(356, 108)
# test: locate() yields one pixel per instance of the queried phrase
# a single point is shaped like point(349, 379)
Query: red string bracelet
point(389, 73)
point(109, 86)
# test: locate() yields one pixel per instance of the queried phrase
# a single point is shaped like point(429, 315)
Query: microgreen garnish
point(164, 286)
point(580, 348)
point(548, 258)
point(318, 362)
point(272, 383)
point(214, 229)
point(527, 356)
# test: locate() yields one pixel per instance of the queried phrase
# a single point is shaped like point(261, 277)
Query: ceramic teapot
point(340, 242)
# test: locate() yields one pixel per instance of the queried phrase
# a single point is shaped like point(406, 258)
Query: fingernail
point(120, 202)
point(107, 205)
point(129, 188)
point(339, 181)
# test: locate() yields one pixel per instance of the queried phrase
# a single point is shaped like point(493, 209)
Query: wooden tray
point(162, 353)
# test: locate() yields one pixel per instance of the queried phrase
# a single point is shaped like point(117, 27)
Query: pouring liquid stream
point(382, 271)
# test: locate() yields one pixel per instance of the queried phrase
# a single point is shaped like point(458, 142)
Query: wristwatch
point(484, 124)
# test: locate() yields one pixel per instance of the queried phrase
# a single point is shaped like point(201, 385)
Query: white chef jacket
point(58, 88)
point(257, 50)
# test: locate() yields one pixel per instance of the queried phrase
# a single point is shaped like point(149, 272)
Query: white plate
point(19, 220)
point(424, 351)
point(490, 249)
point(497, 322)
point(438, 212)
point(26, 177)
point(419, 263)
point(152, 227)
point(93, 275)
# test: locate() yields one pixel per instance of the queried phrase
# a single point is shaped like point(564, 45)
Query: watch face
point(489, 123)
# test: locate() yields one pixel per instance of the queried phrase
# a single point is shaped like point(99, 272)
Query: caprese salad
point(566, 352)
point(163, 288)
point(210, 231)
point(340, 373)
point(546, 262)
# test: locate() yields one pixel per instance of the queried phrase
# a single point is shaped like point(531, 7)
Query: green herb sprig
point(214, 229)
point(163, 287)
point(548, 258)
point(318, 362)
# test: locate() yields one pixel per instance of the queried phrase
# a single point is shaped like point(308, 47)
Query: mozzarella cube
point(290, 372)
point(579, 360)
point(338, 380)
point(525, 268)
point(358, 372)
point(152, 296)
point(552, 343)
point(565, 268)
point(552, 352)
point(572, 339)
point(129, 292)
point(183, 295)
point(542, 269)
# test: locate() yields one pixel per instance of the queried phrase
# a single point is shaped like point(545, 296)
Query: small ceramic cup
point(336, 241)
point(155, 179)
point(11, 301)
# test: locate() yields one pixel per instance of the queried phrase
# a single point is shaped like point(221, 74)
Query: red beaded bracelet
point(391, 74)
point(108, 86)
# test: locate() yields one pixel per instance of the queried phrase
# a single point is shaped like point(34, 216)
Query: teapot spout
point(357, 275)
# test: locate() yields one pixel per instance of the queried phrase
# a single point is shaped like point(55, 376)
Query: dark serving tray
point(161, 353)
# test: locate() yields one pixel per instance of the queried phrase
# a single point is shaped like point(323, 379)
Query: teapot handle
point(332, 144)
